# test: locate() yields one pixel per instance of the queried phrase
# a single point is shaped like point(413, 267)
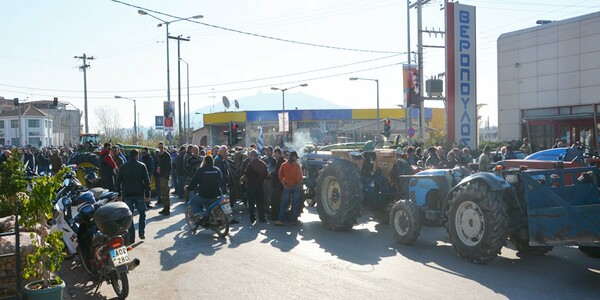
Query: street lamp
point(377, 82)
point(135, 132)
point(199, 123)
point(144, 13)
point(283, 100)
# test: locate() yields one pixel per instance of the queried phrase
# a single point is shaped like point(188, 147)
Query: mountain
point(273, 101)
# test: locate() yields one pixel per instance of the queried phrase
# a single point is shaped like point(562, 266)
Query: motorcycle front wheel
point(120, 283)
point(221, 222)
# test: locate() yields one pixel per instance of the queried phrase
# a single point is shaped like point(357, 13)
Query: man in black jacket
point(276, 185)
point(133, 186)
point(205, 185)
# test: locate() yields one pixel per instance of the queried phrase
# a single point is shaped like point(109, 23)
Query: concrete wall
point(551, 65)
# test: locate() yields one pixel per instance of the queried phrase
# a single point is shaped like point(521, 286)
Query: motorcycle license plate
point(119, 256)
point(226, 208)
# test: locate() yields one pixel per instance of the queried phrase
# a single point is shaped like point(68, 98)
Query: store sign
point(462, 77)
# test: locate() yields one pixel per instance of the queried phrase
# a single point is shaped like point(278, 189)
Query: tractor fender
point(493, 181)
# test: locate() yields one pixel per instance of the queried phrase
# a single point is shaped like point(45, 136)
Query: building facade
point(549, 83)
point(26, 126)
point(326, 126)
point(64, 122)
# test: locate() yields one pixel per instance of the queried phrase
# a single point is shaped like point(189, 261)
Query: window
point(2, 126)
point(35, 123)
point(14, 124)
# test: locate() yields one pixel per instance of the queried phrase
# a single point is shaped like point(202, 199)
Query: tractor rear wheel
point(523, 247)
point(339, 195)
point(405, 221)
point(477, 222)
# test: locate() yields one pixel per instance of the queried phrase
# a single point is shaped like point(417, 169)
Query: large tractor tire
point(406, 222)
point(339, 195)
point(523, 247)
point(477, 222)
point(84, 158)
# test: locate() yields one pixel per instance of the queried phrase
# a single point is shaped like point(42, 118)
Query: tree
point(109, 122)
point(151, 133)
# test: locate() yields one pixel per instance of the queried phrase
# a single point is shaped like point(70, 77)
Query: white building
point(549, 82)
point(35, 127)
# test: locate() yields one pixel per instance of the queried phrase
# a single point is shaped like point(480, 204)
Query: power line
point(260, 35)
point(214, 84)
point(228, 90)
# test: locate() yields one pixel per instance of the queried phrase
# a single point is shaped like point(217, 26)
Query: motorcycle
point(102, 249)
point(67, 204)
point(67, 208)
point(218, 210)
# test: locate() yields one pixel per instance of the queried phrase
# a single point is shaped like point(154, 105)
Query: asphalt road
point(307, 261)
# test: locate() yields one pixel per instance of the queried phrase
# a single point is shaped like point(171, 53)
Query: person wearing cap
point(400, 168)
point(526, 147)
point(290, 175)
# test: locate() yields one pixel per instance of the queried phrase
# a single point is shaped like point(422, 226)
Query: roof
point(29, 111)
point(552, 24)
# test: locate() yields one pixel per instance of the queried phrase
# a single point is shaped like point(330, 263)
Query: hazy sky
point(41, 38)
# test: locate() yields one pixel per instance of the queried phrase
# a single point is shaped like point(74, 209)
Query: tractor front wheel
point(339, 195)
point(406, 222)
point(477, 222)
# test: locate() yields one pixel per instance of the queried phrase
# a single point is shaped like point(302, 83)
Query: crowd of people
point(265, 180)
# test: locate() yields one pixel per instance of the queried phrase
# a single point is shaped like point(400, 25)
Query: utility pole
point(420, 62)
point(179, 39)
point(420, 47)
point(84, 68)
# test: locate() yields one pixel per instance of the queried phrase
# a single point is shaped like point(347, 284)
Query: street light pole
point(283, 104)
point(144, 13)
point(179, 39)
point(187, 71)
point(378, 119)
point(135, 132)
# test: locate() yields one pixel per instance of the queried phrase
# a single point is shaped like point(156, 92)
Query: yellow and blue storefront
point(322, 126)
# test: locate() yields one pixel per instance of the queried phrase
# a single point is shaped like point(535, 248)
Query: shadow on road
point(347, 245)
point(509, 275)
point(79, 283)
point(187, 247)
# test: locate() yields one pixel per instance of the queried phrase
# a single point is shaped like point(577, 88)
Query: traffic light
point(387, 127)
point(16, 101)
point(55, 102)
point(228, 134)
point(236, 134)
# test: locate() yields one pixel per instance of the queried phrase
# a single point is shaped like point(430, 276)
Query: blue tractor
point(427, 191)
point(533, 209)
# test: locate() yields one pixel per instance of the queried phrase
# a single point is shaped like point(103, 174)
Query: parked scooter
point(102, 248)
point(68, 207)
point(216, 218)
